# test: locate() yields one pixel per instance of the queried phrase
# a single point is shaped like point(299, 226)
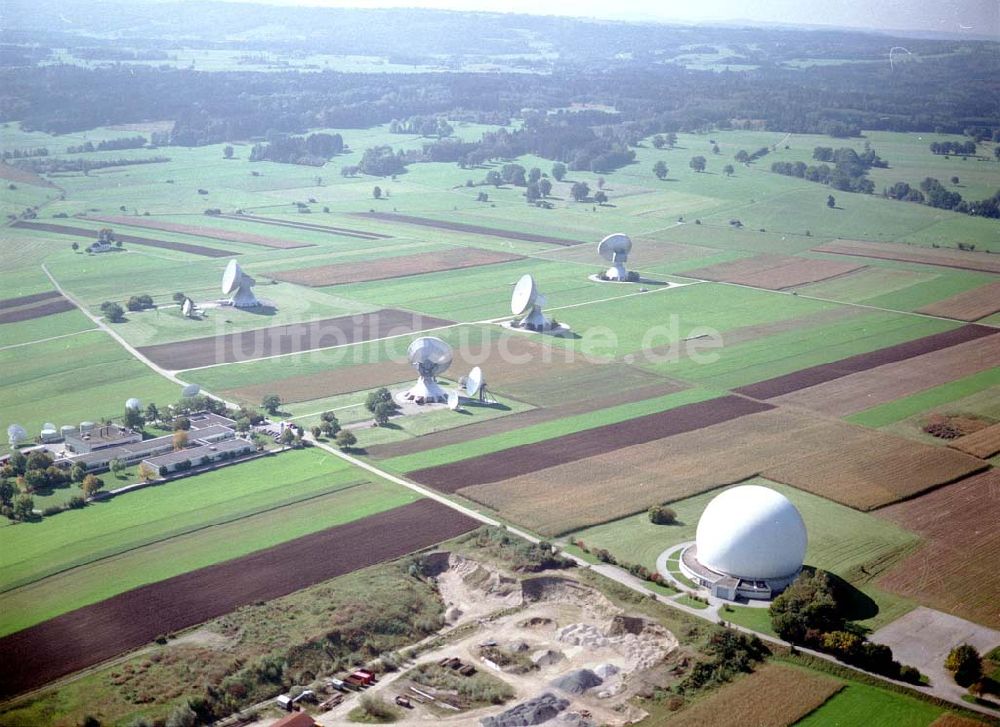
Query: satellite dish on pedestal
point(615, 249)
point(430, 356)
point(238, 286)
point(453, 400)
point(527, 301)
point(133, 404)
point(187, 307)
point(16, 434)
point(190, 390)
point(474, 382)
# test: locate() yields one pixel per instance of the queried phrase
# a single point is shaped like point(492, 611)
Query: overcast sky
point(979, 17)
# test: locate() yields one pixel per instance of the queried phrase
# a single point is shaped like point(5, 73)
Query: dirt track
point(773, 272)
point(946, 258)
point(44, 308)
point(815, 375)
point(463, 227)
point(90, 635)
point(588, 443)
point(292, 338)
point(315, 227)
point(91, 235)
point(393, 267)
point(212, 233)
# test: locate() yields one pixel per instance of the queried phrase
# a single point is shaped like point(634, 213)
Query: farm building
point(750, 543)
point(201, 455)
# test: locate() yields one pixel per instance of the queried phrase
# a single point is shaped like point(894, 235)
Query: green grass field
point(66, 561)
point(873, 707)
point(853, 545)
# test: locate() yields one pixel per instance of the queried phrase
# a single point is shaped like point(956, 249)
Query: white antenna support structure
point(453, 400)
point(430, 356)
point(527, 301)
point(239, 286)
point(615, 249)
point(475, 386)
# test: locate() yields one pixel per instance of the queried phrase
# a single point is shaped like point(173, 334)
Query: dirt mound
point(622, 624)
point(642, 651)
point(553, 589)
point(535, 711)
point(536, 622)
point(577, 682)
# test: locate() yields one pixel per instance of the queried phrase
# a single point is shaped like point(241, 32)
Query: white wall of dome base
point(733, 587)
point(426, 391)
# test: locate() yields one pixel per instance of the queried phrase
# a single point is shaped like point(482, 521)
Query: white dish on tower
point(430, 356)
point(527, 300)
point(238, 285)
point(190, 390)
point(133, 404)
point(615, 249)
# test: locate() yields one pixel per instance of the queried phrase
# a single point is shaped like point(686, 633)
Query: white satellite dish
point(474, 382)
point(615, 249)
point(238, 286)
point(527, 300)
point(190, 390)
point(133, 404)
point(453, 400)
point(430, 356)
point(16, 434)
point(187, 307)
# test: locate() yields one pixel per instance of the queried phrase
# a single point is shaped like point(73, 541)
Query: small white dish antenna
point(239, 286)
point(453, 400)
point(187, 307)
point(474, 382)
point(190, 390)
point(16, 434)
point(430, 356)
point(133, 404)
point(527, 301)
point(615, 249)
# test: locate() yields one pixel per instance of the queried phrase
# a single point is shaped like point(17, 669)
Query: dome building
point(750, 543)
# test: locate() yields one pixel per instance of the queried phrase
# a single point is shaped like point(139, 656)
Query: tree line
point(312, 150)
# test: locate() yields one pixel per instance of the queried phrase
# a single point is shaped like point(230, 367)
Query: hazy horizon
point(972, 17)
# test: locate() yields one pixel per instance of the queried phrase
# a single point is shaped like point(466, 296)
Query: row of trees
point(423, 125)
point(125, 142)
point(935, 194)
point(52, 165)
point(958, 148)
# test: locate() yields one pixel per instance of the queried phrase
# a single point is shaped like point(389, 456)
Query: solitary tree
point(377, 192)
point(146, 473)
point(579, 191)
point(534, 175)
point(954, 180)
point(75, 246)
point(383, 410)
point(152, 413)
point(830, 201)
point(178, 297)
point(742, 156)
point(715, 149)
point(671, 140)
point(558, 171)
point(659, 141)
point(112, 311)
point(180, 440)
point(660, 170)
point(316, 432)
point(965, 664)
point(697, 163)
point(544, 186)
point(600, 197)
point(532, 193)
point(24, 507)
point(379, 396)
point(287, 437)
point(116, 466)
point(78, 473)
point(493, 177)
point(346, 439)
point(662, 515)
point(728, 170)
point(91, 485)
point(134, 419)
point(271, 403)
point(227, 152)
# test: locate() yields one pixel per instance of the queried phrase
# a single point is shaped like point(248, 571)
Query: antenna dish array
point(615, 249)
point(133, 404)
point(190, 390)
point(430, 356)
point(239, 286)
point(475, 386)
point(527, 301)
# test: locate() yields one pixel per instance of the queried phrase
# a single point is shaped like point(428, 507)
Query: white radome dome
point(752, 532)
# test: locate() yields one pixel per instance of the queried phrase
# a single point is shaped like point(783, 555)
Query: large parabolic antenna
point(239, 286)
point(615, 249)
point(430, 356)
point(133, 404)
point(16, 434)
point(527, 301)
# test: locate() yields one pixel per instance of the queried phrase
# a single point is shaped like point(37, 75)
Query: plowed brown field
point(92, 236)
point(393, 267)
point(36, 310)
point(11, 173)
point(882, 384)
point(773, 696)
point(840, 461)
point(7, 303)
point(773, 272)
point(956, 571)
point(212, 233)
point(968, 306)
point(816, 375)
point(913, 254)
point(90, 635)
point(263, 342)
point(984, 443)
point(463, 227)
point(611, 438)
point(313, 226)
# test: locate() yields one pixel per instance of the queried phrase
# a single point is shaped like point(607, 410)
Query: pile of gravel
point(577, 682)
point(535, 711)
point(606, 671)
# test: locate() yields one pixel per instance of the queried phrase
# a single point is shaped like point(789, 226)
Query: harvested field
point(339, 231)
point(984, 443)
point(92, 236)
point(87, 636)
point(327, 383)
point(213, 233)
point(10, 173)
point(968, 306)
point(773, 696)
point(863, 390)
point(773, 272)
point(463, 227)
point(941, 257)
point(953, 720)
point(393, 267)
point(842, 462)
point(292, 338)
point(46, 307)
point(816, 375)
point(956, 570)
point(586, 444)
point(24, 300)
